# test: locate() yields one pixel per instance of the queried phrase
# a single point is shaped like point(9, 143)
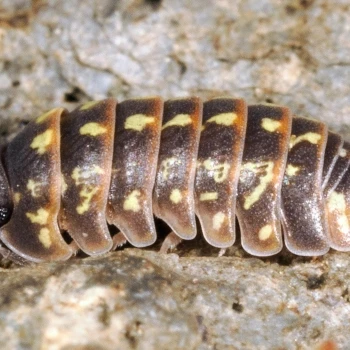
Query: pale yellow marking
point(267, 168)
point(16, 197)
point(80, 175)
point(226, 119)
point(178, 120)
point(138, 122)
point(292, 170)
point(218, 220)
point(265, 232)
point(87, 193)
point(44, 116)
point(336, 202)
point(131, 202)
point(40, 217)
point(176, 196)
point(219, 171)
point(33, 187)
point(166, 165)
point(92, 129)
point(63, 184)
point(270, 125)
point(342, 152)
point(88, 105)
point(311, 137)
point(208, 196)
point(44, 237)
point(42, 141)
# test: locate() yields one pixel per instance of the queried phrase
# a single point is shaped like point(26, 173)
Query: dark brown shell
point(284, 177)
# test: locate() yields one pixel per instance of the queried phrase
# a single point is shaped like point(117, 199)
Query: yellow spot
point(337, 203)
point(311, 137)
point(92, 129)
point(16, 197)
point(44, 116)
point(138, 122)
point(270, 125)
point(265, 232)
point(44, 237)
point(41, 141)
point(178, 120)
point(131, 202)
point(176, 196)
point(40, 217)
point(208, 196)
point(226, 119)
point(166, 165)
point(80, 176)
point(88, 105)
point(218, 220)
point(87, 193)
point(33, 187)
point(264, 167)
point(342, 152)
point(292, 170)
point(64, 184)
point(219, 171)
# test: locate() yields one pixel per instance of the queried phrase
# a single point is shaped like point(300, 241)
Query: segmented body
point(123, 163)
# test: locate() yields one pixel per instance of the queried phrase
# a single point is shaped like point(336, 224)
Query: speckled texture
point(62, 53)
point(138, 299)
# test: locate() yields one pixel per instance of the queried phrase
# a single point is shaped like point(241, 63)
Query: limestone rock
point(63, 53)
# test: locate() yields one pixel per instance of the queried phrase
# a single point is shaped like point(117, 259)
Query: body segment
point(122, 164)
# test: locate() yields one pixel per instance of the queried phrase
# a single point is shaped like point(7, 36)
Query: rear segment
point(259, 190)
point(339, 169)
point(87, 151)
point(33, 165)
point(173, 195)
point(338, 202)
point(219, 158)
point(303, 210)
point(333, 149)
point(136, 146)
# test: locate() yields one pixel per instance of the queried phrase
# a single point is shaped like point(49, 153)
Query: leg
point(119, 240)
point(170, 242)
point(74, 247)
point(222, 251)
point(9, 255)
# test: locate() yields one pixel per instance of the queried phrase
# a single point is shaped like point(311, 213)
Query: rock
point(139, 299)
point(63, 53)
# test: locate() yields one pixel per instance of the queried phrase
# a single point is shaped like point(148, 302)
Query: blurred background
point(63, 53)
point(66, 52)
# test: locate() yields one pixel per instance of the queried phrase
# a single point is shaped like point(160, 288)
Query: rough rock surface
point(295, 52)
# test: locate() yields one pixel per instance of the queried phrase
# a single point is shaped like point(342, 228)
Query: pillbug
point(285, 178)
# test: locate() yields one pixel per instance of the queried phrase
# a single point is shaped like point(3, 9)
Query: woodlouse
point(121, 164)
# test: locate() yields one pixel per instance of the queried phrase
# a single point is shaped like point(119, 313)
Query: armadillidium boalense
point(123, 163)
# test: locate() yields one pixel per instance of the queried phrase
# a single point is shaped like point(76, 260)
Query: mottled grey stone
point(139, 299)
point(63, 53)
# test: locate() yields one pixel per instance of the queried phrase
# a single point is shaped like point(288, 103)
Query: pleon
point(173, 194)
point(136, 147)
point(334, 145)
point(303, 211)
point(340, 167)
point(338, 214)
point(87, 152)
point(219, 156)
point(261, 175)
point(32, 161)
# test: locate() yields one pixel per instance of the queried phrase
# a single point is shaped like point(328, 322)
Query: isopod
point(285, 178)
